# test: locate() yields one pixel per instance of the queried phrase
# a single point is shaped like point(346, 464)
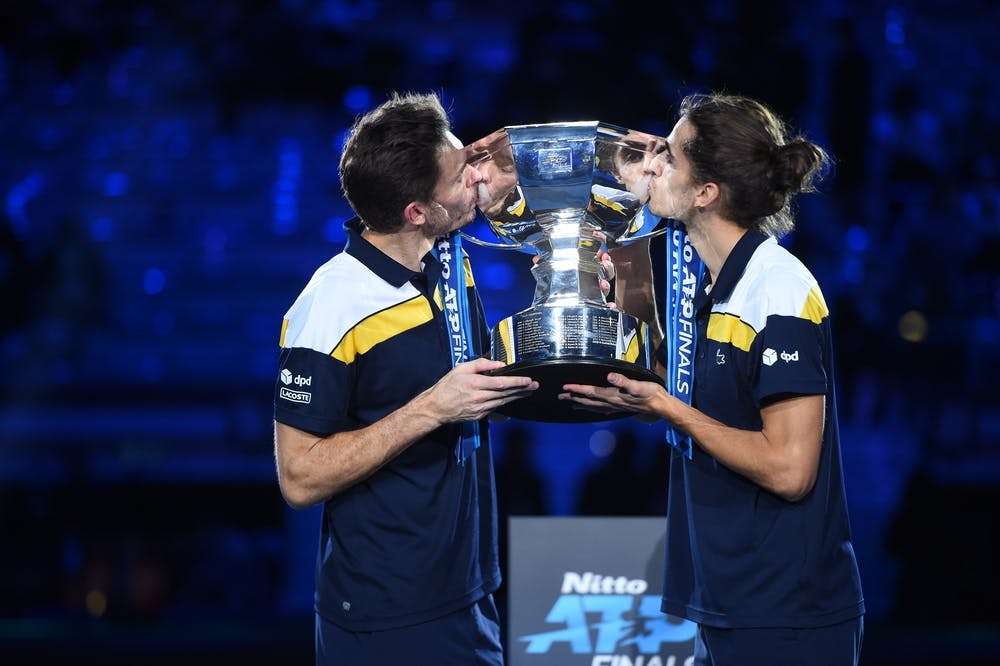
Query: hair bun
point(795, 164)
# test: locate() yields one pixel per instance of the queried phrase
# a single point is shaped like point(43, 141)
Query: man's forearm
point(312, 469)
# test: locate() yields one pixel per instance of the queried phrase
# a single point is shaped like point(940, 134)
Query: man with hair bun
point(758, 548)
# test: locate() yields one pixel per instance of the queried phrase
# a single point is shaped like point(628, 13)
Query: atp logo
point(610, 618)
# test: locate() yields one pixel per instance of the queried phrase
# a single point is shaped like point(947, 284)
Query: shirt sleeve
point(312, 392)
point(789, 358)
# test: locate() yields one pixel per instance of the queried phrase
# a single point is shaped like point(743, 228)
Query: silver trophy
point(561, 190)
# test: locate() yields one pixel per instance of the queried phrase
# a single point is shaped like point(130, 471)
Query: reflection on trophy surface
point(561, 189)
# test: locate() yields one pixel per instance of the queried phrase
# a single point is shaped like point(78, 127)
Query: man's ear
point(415, 213)
point(707, 194)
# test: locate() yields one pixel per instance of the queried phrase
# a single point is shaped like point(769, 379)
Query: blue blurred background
point(168, 179)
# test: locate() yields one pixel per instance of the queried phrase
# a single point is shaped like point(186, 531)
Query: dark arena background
point(168, 180)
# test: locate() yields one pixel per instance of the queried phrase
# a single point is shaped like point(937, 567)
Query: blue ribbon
point(455, 300)
point(684, 269)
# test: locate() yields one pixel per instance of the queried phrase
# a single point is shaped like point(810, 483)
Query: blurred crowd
point(169, 177)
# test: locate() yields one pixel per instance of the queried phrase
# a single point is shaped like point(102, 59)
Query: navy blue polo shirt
point(737, 554)
point(418, 538)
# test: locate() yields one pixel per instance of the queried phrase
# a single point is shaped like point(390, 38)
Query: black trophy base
point(551, 374)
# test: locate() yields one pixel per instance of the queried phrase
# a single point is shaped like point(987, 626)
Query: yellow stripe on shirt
point(284, 330)
point(730, 329)
point(815, 309)
point(382, 326)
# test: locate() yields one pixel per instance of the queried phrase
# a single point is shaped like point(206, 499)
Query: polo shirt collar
point(732, 270)
point(380, 263)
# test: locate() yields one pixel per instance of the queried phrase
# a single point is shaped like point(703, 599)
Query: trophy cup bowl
point(561, 190)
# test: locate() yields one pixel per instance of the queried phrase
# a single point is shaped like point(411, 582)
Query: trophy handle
point(497, 246)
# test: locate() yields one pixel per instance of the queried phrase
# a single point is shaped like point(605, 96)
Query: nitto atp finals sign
point(586, 591)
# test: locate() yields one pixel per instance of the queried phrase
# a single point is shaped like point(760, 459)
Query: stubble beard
point(677, 207)
point(444, 221)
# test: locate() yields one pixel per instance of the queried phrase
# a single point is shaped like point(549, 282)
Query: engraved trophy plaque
point(559, 190)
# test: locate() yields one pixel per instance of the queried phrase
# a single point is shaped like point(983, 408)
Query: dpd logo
point(298, 380)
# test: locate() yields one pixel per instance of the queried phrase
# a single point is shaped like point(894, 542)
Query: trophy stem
point(575, 282)
point(567, 271)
